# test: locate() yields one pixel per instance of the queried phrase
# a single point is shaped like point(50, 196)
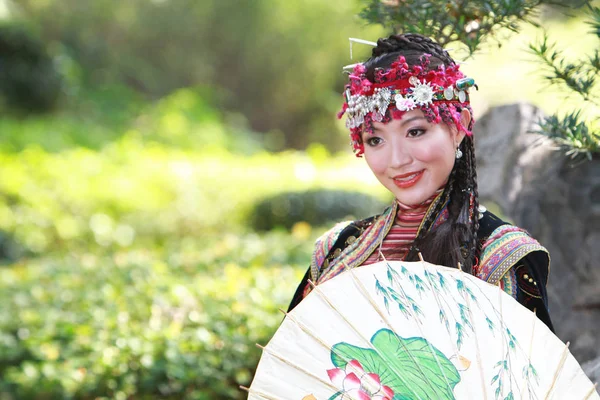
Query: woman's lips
point(407, 180)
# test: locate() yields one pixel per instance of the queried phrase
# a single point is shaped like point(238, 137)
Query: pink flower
point(366, 86)
point(358, 385)
point(359, 69)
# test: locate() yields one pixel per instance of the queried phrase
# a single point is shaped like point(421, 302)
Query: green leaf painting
point(411, 367)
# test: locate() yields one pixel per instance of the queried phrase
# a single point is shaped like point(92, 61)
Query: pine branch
point(595, 22)
point(579, 77)
point(577, 137)
point(469, 22)
point(572, 134)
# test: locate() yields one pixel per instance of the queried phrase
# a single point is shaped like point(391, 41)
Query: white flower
point(404, 103)
point(422, 93)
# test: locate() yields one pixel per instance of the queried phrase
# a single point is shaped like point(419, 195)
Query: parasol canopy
point(415, 331)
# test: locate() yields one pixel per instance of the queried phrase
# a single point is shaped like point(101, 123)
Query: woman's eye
point(373, 141)
point(416, 132)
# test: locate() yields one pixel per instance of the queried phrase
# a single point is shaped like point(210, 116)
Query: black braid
point(412, 46)
point(411, 41)
point(475, 245)
point(455, 240)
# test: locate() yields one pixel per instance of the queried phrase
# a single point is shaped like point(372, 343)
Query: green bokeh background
point(130, 265)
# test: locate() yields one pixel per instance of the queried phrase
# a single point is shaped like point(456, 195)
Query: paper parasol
point(415, 331)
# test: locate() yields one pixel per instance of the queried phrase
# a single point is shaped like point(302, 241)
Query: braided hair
point(454, 241)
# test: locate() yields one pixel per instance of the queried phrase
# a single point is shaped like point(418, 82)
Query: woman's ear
point(465, 120)
point(465, 117)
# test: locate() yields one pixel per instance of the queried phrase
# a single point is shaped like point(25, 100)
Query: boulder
point(557, 200)
point(592, 369)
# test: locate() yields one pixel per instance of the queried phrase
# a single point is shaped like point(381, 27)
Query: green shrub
point(144, 324)
point(28, 80)
point(316, 207)
point(10, 250)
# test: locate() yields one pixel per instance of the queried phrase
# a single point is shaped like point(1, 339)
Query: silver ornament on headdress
point(422, 92)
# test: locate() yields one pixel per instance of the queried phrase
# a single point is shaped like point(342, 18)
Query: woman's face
point(411, 157)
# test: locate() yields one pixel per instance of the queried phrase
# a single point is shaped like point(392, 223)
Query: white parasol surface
point(414, 330)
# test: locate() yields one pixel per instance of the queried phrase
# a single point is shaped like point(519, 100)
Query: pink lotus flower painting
point(356, 384)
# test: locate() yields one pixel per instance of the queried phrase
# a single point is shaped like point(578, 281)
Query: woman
point(408, 113)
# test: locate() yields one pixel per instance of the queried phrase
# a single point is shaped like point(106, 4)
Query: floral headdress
point(440, 93)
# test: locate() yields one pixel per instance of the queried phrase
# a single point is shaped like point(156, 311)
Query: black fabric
point(534, 265)
point(299, 291)
point(534, 297)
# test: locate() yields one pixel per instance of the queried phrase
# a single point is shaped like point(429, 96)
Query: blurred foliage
point(10, 250)
point(144, 191)
point(29, 83)
point(315, 207)
point(143, 324)
point(183, 119)
point(139, 277)
point(276, 63)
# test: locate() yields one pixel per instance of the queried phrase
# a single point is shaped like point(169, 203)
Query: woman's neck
point(418, 208)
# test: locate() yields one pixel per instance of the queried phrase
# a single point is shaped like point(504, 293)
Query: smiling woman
point(410, 156)
point(409, 115)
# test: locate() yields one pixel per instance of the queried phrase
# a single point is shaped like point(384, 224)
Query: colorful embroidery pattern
point(356, 253)
point(508, 283)
point(505, 246)
point(323, 245)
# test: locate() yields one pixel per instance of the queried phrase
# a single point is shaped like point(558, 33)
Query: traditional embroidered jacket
point(509, 257)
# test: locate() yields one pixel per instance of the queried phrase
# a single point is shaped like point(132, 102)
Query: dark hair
point(454, 240)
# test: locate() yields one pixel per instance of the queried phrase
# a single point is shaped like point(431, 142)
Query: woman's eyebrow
point(402, 123)
point(411, 119)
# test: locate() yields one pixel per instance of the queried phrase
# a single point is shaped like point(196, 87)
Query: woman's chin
point(412, 196)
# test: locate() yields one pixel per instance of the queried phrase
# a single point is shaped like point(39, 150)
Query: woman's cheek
point(376, 162)
point(430, 154)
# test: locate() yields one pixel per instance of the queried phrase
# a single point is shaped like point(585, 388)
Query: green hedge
point(29, 81)
point(179, 324)
point(315, 207)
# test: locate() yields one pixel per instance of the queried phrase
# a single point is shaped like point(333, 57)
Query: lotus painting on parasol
point(391, 365)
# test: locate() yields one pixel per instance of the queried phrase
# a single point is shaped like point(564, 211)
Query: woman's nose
point(399, 156)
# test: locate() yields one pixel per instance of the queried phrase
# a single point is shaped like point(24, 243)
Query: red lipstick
point(407, 180)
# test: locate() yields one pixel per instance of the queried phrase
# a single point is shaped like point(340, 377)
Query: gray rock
point(558, 202)
point(592, 369)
